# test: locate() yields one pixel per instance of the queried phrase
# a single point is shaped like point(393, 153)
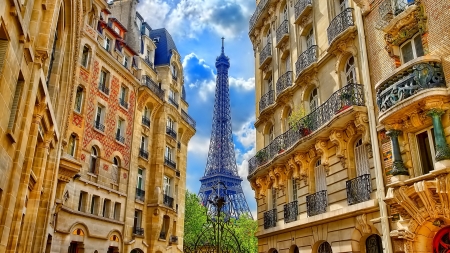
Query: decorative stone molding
point(322, 150)
point(362, 222)
point(343, 49)
point(303, 159)
point(338, 138)
point(362, 125)
point(280, 175)
point(292, 166)
point(364, 5)
point(305, 21)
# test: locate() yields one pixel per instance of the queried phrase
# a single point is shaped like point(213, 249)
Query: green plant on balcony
point(347, 100)
point(281, 147)
point(261, 155)
point(300, 121)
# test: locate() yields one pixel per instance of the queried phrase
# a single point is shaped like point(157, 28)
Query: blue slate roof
point(163, 47)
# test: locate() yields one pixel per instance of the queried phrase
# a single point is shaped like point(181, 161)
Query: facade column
point(442, 148)
point(398, 167)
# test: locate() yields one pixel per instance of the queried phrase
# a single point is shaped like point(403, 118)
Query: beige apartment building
point(317, 179)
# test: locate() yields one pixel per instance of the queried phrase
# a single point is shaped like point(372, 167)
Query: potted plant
point(261, 156)
point(280, 147)
point(347, 99)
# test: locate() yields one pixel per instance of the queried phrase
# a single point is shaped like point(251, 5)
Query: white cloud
point(154, 12)
point(199, 146)
point(243, 84)
point(246, 135)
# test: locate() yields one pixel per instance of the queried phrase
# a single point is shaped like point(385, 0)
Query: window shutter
point(361, 161)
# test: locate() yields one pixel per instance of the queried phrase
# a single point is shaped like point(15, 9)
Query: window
point(274, 198)
point(425, 146)
point(99, 117)
point(146, 117)
point(168, 153)
point(170, 123)
point(361, 159)
point(166, 186)
point(287, 63)
point(350, 72)
point(72, 145)
point(123, 96)
point(269, 84)
point(85, 57)
point(140, 181)
point(294, 189)
point(320, 176)
point(271, 134)
point(310, 39)
point(412, 48)
point(79, 99)
point(164, 227)
point(125, 61)
point(3, 49)
point(287, 125)
point(174, 70)
point(268, 36)
point(106, 208)
point(94, 161)
point(94, 204)
point(313, 100)
point(102, 85)
point(115, 170)
point(137, 219)
point(172, 94)
point(120, 130)
point(107, 45)
point(82, 201)
point(144, 143)
point(138, 23)
point(117, 207)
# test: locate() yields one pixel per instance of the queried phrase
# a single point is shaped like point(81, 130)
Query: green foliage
point(245, 230)
point(194, 218)
point(300, 120)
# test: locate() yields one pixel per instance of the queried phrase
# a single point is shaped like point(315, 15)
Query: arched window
point(350, 71)
point(325, 247)
point(79, 99)
point(309, 39)
point(271, 134)
point(373, 244)
point(85, 56)
point(94, 161)
point(313, 100)
point(72, 145)
point(287, 125)
point(361, 159)
point(320, 176)
point(115, 169)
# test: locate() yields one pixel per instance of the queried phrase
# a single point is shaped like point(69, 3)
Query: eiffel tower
point(221, 170)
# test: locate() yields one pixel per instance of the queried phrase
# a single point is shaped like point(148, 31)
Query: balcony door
point(320, 176)
point(361, 159)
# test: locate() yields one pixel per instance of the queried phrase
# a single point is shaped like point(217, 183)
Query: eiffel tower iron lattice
point(221, 164)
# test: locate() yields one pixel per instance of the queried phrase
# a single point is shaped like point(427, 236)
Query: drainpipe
point(373, 133)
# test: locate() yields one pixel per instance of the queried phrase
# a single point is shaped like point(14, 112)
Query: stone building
point(315, 177)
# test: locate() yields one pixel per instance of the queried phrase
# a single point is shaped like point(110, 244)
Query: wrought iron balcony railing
point(103, 88)
point(145, 121)
point(99, 126)
point(284, 82)
point(147, 81)
point(308, 57)
point(347, 96)
point(162, 235)
point(266, 100)
point(188, 118)
point(123, 103)
point(358, 189)
point(282, 30)
point(143, 153)
point(265, 53)
point(270, 219)
point(171, 132)
point(138, 231)
point(259, 9)
point(120, 138)
point(174, 77)
point(170, 163)
point(148, 61)
point(316, 203)
point(167, 201)
point(407, 82)
point(300, 6)
point(339, 24)
point(291, 211)
point(173, 102)
point(140, 194)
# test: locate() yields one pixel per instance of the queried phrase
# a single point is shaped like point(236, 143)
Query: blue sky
point(197, 26)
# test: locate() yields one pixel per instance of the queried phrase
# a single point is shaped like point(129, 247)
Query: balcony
point(145, 121)
point(174, 77)
point(167, 201)
point(302, 8)
point(123, 103)
point(282, 33)
point(149, 62)
point(259, 10)
point(346, 97)
point(171, 132)
point(306, 59)
point(99, 126)
point(147, 81)
point(291, 211)
point(140, 194)
point(388, 9)
point(103, 88)
point(143, 153)
point(284, 82)
point(173, 102)
point(188, 119)
point(120, 138)
point(266, 100)
point(138, 231)
point(358, 189)
point(270, 219)
point(408, 85)
point(316, 203)
point(170, 163)
point(340, 24)
point(265, 56)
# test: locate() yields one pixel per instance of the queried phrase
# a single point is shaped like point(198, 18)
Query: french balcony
point(174, 77)
point(173, 102)
point(103, 88)
point(306, 59)
point(270, 219)
point(282, 33)
point(262, 5)
point(123, 103)
point(120, 138)
point(291, 211)
point(99, 126)
point(266, 100)
point(138, 231)
point(140, 194)
point(409, 85)
point(167, 201)
point(316, 203)
point(265, 56)
point(339, 25)
point(302, 8)
point(149, 62)
point(358, 189)
point(284, 82)
point(342, 100)
point(188, 119)
point(171, 132)
point(162, 235)
point(170, 163)
point(145, 121)
point(143, 153)
point(147, 81)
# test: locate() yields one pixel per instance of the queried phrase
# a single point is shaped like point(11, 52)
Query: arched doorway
point(441, 241)
point(373, 244)
point(325, 247)
point(137, 251)
point(294, 249)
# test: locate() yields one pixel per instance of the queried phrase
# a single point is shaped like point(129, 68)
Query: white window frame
point(93, 160)
point(285, 13)
point(309, 38)
point(169, 153)
point(72, 147)
point(343, 5)
point(79, 95)
point(417, 157)
point(167, 185)
point(320, 176)
point(140, 179)
point(313, 100)
point(120, 127)
point(170, 123)
point(85, 57)
point(413, 46)
point(361, 158)
point(350, 70)
point(144, 143)
point(123, 93)
point(100, 117)
point(125, 61)
point(107, 44)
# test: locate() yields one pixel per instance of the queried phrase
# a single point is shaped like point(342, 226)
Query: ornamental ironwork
point(265, 53)
point(291, 211)
point(120, 138)
point(138, 231)
point(341, 100)
point(99, 126)
point(401, 5)
point(145, 121)
point(305, 59)
point(339, 24)
point(266, 100)
point(270, 219)
point(173, 102)
point(143, 153)
point(282, 30)
point(316, 203)
point(103, 88)
point(374, 244)
point(147, 81)
point(123, 103)
point(300, 6)
point(171, 132)
point(284, 82)
point(188, 119)
point(325, 247)
point(358, 189)
point(170, 163)
point(140, 194)
point(148, 61)
point(408, 82)
point(167, 200)
point(259, 9)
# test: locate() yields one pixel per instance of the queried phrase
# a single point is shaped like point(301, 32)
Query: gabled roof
point(163, 47)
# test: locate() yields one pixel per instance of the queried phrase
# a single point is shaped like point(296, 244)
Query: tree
point(194, 218)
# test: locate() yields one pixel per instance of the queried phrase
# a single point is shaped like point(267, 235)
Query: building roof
point(164, 46)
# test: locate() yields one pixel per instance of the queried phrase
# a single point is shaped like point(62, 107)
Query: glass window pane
point(425, 156)
point(418, 46)
point(407, 52)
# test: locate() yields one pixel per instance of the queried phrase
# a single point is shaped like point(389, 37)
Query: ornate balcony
point(302, 8)
point(167, 201)
point(188, 119)
point(340, 24)
point(316, 203)
point(103, 88)
point(270, 219)
point(402, 87)
point(123, 103)
point(265, 56)
point(341, 100)
point(358, 189)
point(173, 102)
point(145, 121)
point(120, 138)
point(138, 231)
point(143, 153)
point(140, 194)
point(306, 59)
point(255, 17)
point(171, 132)
point(170, 163)
point(290, 211)
point(149, 62)
point(284, 82)
point(266, 100)
point(99, 126)
point(147, 81)
point(283, 32)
